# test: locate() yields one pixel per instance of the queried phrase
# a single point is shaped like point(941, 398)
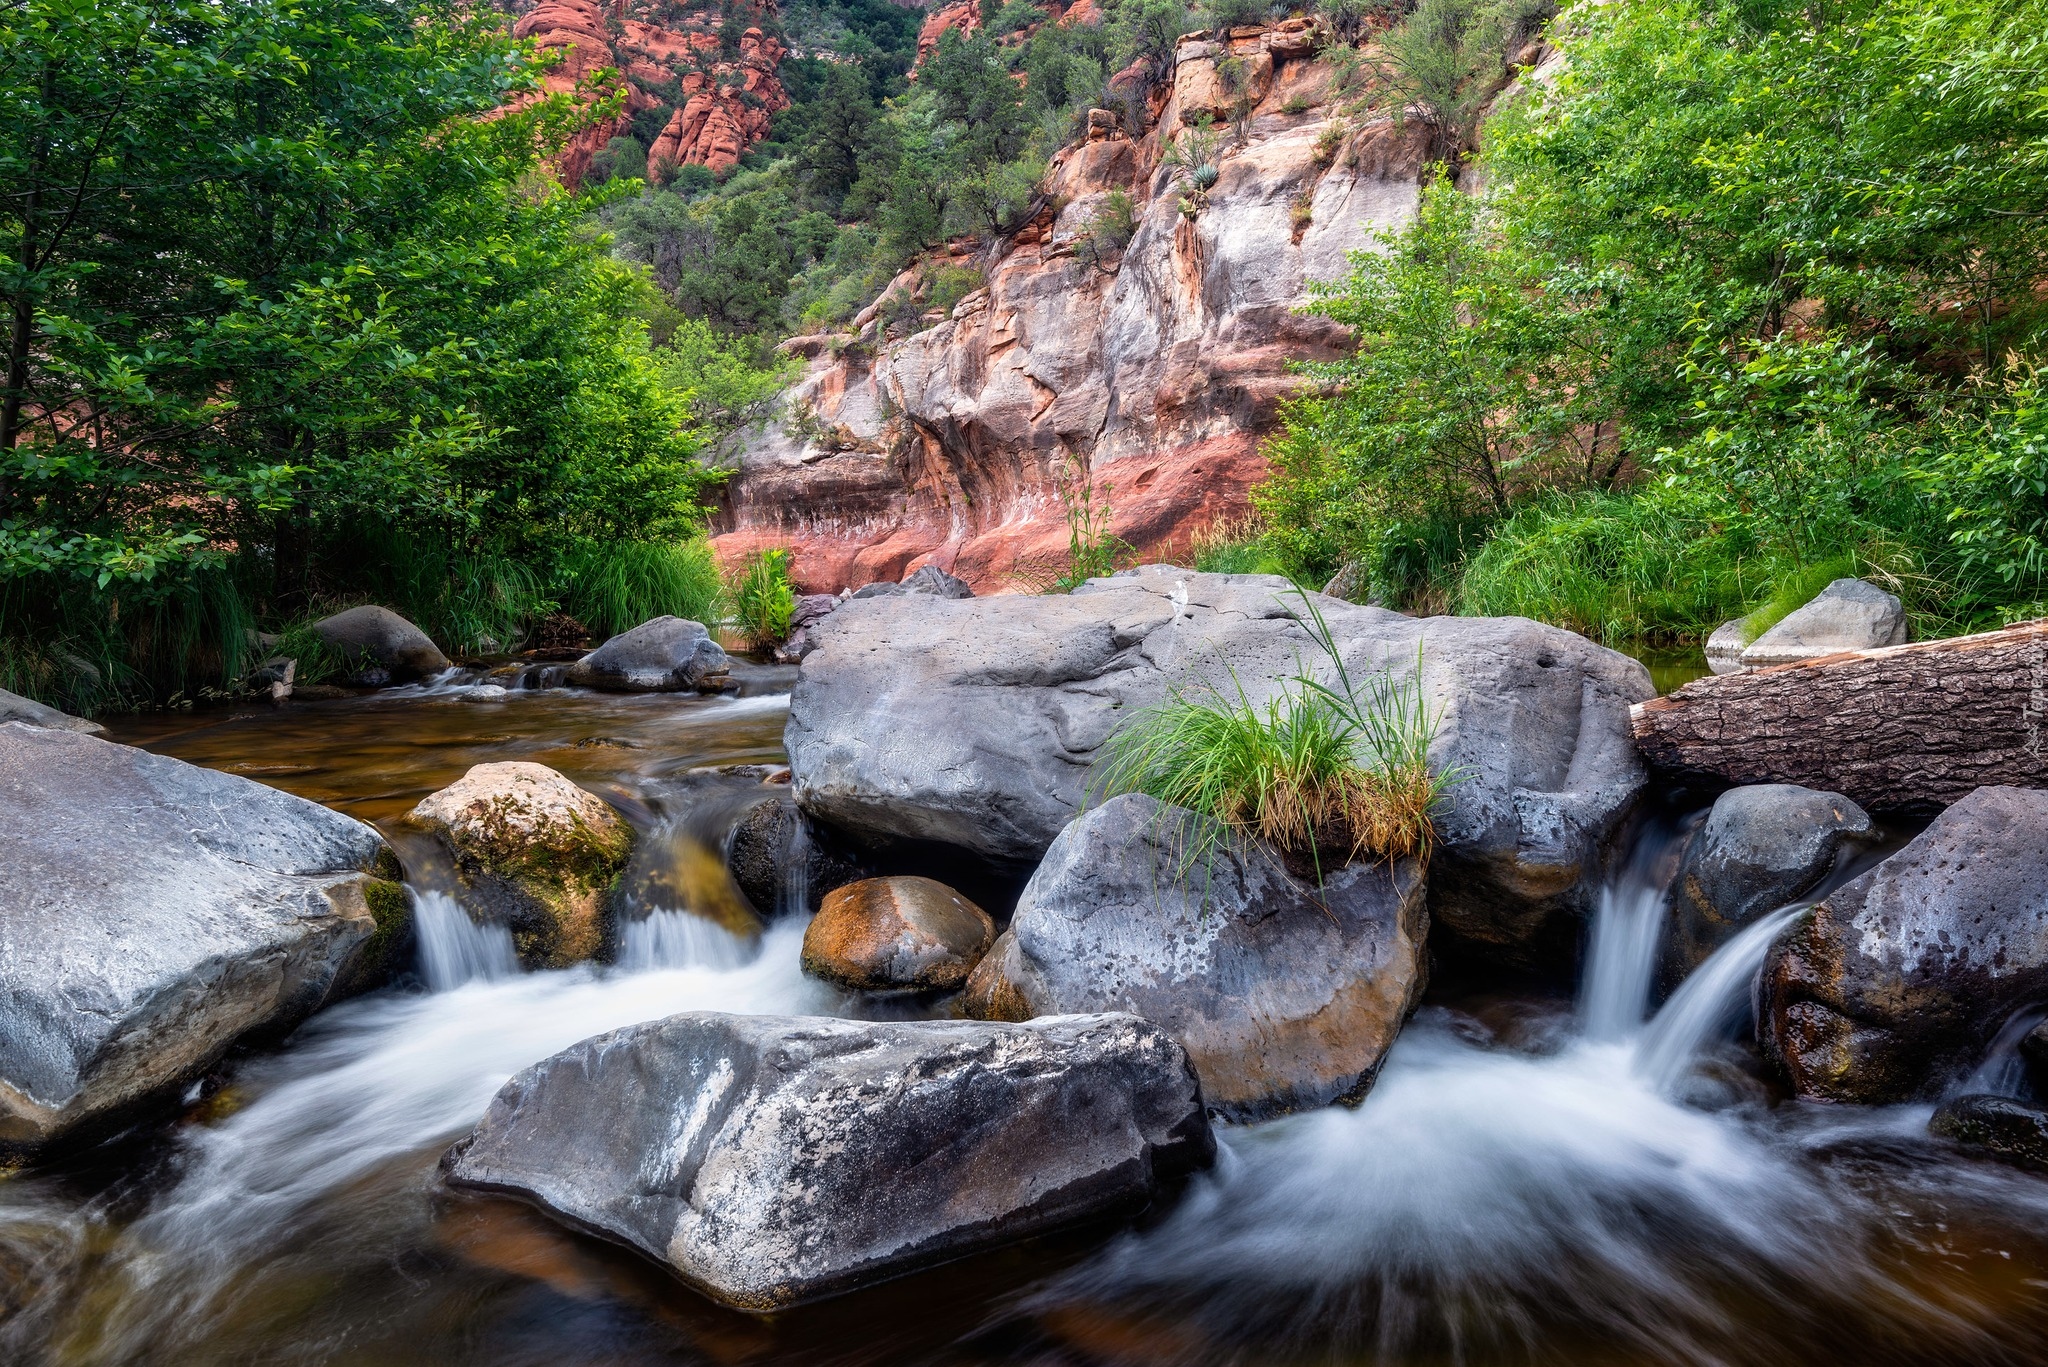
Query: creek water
point(1533, 1179)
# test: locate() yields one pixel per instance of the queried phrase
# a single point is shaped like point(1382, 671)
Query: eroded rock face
point(1848, 614)
point(897, 934)
point(1158, 367)
point(662, 655)
point(1759, 849)
point(535, 853)
point(977, 722)
point(772, 1160)
point(152, 914)
point(1286, 996)
point(1896, 984)
point(377, 639)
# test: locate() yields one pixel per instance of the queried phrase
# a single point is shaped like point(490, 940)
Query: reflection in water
point(1484, 1205)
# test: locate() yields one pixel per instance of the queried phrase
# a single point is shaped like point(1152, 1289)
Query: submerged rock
point(380, 646)
point(534, 852)
point(1897, 983)
point(771, 1160)
point(152, 914)
point(1848, 614)
point(976, 723)
point(1286, 995)
point(664, 655)
point(1759, 849)
point(2007, 1129)
point(896, 934)
point(29, 712)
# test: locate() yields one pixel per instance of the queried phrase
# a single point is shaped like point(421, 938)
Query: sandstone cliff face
point(1157, 371)
point(721, 107)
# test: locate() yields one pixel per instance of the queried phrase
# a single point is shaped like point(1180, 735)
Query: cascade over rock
point(1156, 368)
point(975, 722)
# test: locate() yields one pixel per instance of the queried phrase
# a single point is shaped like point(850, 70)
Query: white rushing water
point(455, 950)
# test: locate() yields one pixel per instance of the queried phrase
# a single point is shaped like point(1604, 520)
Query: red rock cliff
point(1158, 369)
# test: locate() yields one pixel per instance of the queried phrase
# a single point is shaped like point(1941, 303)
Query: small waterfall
point(793, 886)
point(1708, 1002)
point(2003, 1072)
point(1614, 995)
point(679, 939)
point(454, 949)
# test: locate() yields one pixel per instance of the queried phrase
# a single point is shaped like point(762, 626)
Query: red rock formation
point(1158, 370)
point(963, 15)
point(727, 106)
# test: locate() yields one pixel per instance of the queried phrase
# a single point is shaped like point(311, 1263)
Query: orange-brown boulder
point(896, 934)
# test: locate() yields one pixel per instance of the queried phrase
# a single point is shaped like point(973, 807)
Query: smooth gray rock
point(1848, 614)
point(1724, 648)
point(930, 579)
point(976, 723)
point(1286, 996)
point(372, 638)
point(2004, 1128)
point(1896, 984)
point(151, 914)
point(1759, 849)
point(664, 655)
point(29, 712)
point(771, 1160)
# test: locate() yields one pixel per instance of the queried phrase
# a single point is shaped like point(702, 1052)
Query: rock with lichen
point(533, 852)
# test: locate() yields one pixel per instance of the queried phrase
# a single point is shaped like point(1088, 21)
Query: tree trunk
point(1895, 729)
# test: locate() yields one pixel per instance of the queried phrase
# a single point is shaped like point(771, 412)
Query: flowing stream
point(1530, 1181)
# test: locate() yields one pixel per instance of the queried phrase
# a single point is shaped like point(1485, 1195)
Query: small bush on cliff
point(1327, 769)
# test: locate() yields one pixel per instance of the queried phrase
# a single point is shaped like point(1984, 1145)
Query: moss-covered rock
point(534, 852)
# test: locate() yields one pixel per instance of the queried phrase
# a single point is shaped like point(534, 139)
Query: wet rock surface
point(152, 914)
point(1285, 995)
point(771, 1160)
point(1759, 849)
point(533, 852)
point(664, 655)
point(896, 934)
point(1896, 984)
point(976, 723)
point(775, 857)
point(2002, 1127)
point(380, 646)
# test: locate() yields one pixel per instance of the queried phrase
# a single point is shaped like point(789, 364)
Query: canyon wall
point(722, 104)
point(1154, 372)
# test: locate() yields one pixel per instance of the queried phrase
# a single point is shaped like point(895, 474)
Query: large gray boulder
point(1848, 614)
point(29, 712)
point(663, 655)
point(380, 645)
point(1759, 849)
point(977, 722)
point(771, 1160)
point(1285, 995)
point(151, 915)
point(1897, 983)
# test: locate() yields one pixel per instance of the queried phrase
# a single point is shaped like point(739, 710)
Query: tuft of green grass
point(762, 599)
point(614, 588)
point(1327, 770)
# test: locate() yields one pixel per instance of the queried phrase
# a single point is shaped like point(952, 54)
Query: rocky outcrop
point(727, 102)
point(1759, 849)
point(774, 1160)
point(1151, 370)
point(976, 722)
point(29, 712)
point(379, 646)
point(1286, 995)
point(534, 852)
point(1897, 983)
point(663, 655)
point(901, 934)
point(152, 914)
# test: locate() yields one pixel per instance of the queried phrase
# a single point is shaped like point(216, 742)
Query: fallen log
point(1895, 729)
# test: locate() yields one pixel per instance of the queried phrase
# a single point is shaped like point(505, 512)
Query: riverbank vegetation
point(1755, 296)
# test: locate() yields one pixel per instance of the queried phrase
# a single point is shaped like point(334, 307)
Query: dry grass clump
point(1326, 771)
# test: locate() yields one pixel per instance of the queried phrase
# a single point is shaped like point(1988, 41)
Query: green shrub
point(1092, 548)
point(763, 601)
point(614, 588)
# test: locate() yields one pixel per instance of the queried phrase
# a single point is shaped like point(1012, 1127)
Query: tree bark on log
point(1895, 729)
